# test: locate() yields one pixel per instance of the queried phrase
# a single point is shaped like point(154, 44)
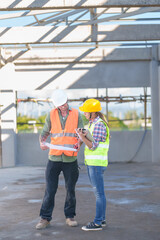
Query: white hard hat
point(59, 97)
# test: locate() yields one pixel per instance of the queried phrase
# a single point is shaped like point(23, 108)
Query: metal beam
point(59, 15)
point(63, 16)
point(59, 11)
point(12, 5)
point(123, 15)
point(75, 34)
point(26, 13)
point(48, 17)
point(77, 18)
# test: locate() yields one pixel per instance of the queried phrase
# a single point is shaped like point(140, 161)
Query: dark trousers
point(70, 173)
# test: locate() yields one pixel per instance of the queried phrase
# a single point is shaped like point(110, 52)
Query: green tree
point(85, 120)
point(41, 119)
point(22, 124)
point(131, 114)
point(115, 123)
point(135, 122)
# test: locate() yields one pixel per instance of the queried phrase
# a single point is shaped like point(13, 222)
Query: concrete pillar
point(8, 127)
point(2, 57)
point(155, 105)
point(93, 26)
point(0, 141)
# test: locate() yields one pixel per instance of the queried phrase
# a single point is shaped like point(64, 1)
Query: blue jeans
point(95, 174)
point(71, 173)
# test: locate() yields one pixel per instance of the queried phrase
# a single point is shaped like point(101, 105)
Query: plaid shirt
point(99, 133)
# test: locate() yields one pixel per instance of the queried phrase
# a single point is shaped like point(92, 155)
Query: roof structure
point(37, 24)
point(77, 22)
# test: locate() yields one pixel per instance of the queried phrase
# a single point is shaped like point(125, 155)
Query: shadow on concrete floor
point(133, 204)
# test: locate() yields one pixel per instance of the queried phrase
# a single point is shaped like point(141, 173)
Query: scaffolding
point(105, 99)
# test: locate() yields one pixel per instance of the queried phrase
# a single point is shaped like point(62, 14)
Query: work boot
point(71, 222)
point(43, 223)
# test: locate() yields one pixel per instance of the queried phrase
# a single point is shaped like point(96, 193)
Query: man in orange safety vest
point(60, 124)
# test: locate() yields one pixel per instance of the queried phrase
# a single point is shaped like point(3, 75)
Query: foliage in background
point(132, 122)
point(114, 122)
point(42, 119)
point(24, 126)
point(85, 120)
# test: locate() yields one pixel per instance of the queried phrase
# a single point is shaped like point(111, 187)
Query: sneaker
point(104, 223)
point(91, 226)
point(43, 223)
point(71, 222)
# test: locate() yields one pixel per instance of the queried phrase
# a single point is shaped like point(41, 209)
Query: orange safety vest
point(63, 137)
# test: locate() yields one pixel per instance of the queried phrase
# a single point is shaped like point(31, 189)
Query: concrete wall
point(8, 127)
point(28, 150)
point(123, 147)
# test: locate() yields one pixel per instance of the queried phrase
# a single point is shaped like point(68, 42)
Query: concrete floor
point(133, 204)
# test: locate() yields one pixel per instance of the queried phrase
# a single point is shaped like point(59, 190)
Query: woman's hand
point(81, 133)
point(82, 136)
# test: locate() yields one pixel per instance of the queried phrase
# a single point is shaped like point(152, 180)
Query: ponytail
point(101, 115)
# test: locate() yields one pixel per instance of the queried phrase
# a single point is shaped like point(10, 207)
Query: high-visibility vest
point(98, 156)
point(63, 137)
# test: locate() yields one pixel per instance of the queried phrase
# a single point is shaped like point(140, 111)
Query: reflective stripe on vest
point(63, 137)
point(99, 156)
point(63, 134)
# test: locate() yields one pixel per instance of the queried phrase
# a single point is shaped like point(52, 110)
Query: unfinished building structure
point(76, 45)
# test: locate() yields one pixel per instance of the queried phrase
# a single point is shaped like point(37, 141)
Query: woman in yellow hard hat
point(96, 158)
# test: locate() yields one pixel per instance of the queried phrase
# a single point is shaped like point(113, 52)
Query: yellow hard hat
point(91, 105)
